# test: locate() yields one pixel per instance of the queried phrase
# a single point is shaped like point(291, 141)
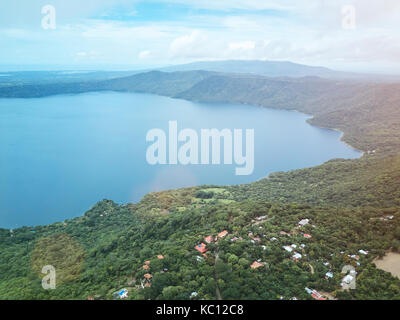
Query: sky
point(351, 35)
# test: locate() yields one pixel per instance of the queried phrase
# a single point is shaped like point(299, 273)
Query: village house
point(316, 295)
point(288, 248)
point(328, 275)
point(209, 239)
point(160, 257)
point(261, 218)
point(146, 267)
point(256, 265)
point(296, 256)
point(222, 234)
point(307, 236)
point(347, 279)
point(354, 256)
point(304, 222)
point(201, 248)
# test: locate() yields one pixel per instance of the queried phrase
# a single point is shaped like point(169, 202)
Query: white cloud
point(193, 45)
point(144, 54)
point(245, 45)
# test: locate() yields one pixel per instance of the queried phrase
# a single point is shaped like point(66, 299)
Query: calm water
point(60, 155)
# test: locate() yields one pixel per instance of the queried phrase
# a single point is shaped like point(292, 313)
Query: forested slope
point(106, 249)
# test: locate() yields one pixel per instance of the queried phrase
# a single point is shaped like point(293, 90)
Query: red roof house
point(222, 234)
point(317, 296)
point(256, 265)
point(201, 248)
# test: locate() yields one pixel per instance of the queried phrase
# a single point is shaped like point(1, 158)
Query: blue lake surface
point(60, 155)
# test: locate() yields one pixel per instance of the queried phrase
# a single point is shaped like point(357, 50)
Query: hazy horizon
point(134, 68)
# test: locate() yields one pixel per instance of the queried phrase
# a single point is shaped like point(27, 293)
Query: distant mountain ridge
point(277, 69)
point(265, 68)
point(271, 69)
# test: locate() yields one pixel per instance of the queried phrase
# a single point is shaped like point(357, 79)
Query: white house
point(297, 256)
point(347, 279)
point(304, 222)
point(288, 248)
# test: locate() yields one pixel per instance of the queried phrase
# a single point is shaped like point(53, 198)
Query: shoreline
point(341, 137)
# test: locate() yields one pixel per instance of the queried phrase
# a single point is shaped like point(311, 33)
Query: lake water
point(60, 155)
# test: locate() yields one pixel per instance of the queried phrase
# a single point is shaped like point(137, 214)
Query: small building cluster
point(296, 256)
point(202, 247)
